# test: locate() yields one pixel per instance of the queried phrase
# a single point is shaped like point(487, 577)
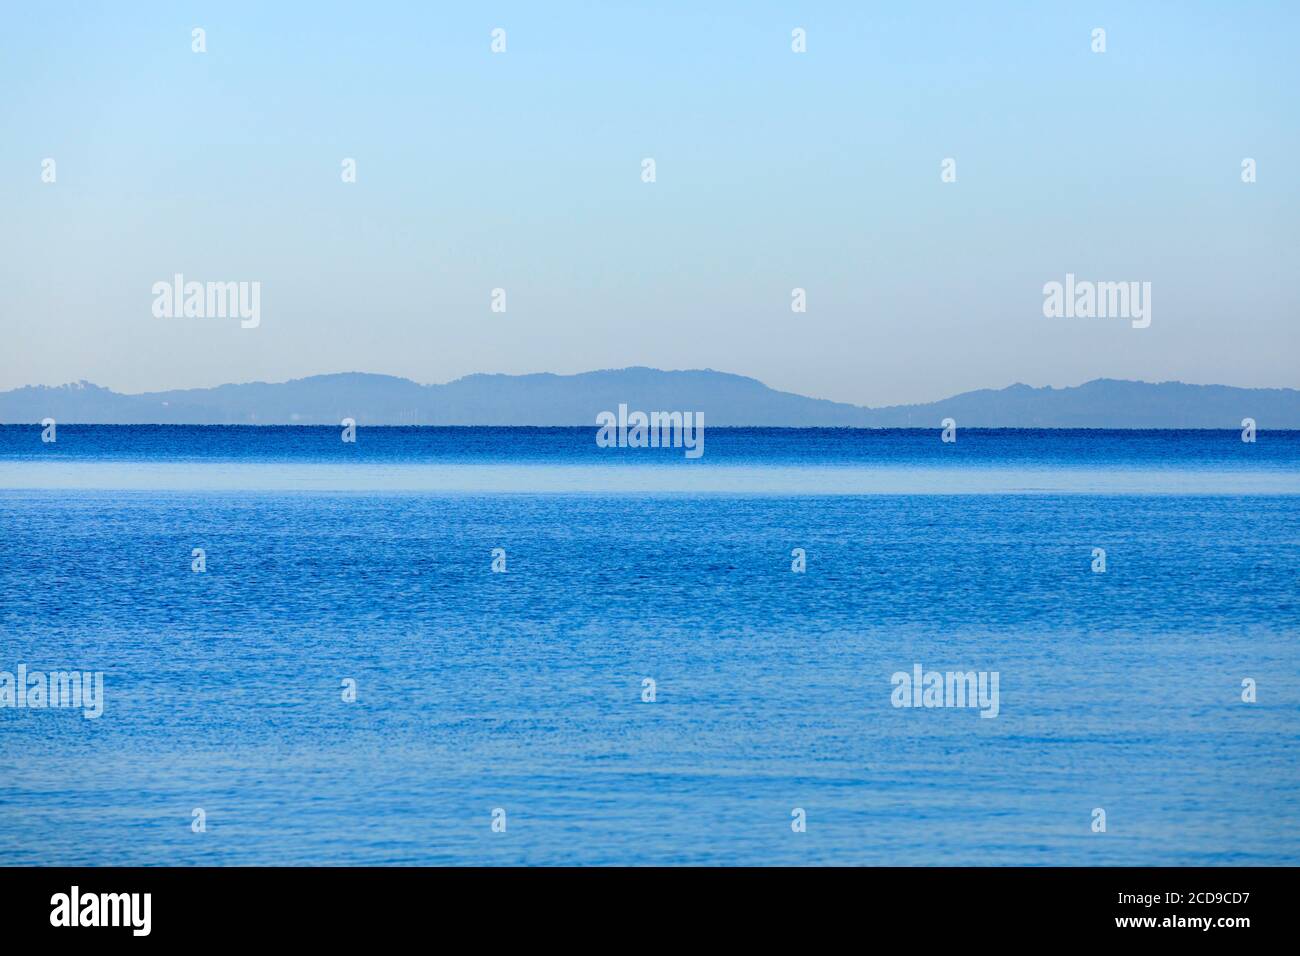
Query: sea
point(503, 646)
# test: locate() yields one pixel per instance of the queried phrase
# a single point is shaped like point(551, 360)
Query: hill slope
point(725, 399)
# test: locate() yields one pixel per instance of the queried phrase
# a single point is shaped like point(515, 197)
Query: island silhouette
point(726, 399)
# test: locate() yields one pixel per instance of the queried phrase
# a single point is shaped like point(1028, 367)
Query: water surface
point(523, 690)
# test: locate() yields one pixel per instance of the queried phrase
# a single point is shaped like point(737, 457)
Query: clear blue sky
point(775, 170)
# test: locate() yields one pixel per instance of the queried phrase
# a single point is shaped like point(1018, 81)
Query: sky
point(774, 170)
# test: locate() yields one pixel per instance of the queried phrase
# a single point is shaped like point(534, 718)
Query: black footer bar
point(214, 905)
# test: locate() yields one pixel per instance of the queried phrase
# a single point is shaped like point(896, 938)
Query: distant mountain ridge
point(724, 398)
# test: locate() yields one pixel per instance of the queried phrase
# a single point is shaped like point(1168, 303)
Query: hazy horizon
point(724, 398)
point(360, 372)
point(775, 170)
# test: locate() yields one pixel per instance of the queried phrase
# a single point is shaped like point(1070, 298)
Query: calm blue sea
point(523, 690)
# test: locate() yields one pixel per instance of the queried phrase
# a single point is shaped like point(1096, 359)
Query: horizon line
point(648, 368)
point(789, 428)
